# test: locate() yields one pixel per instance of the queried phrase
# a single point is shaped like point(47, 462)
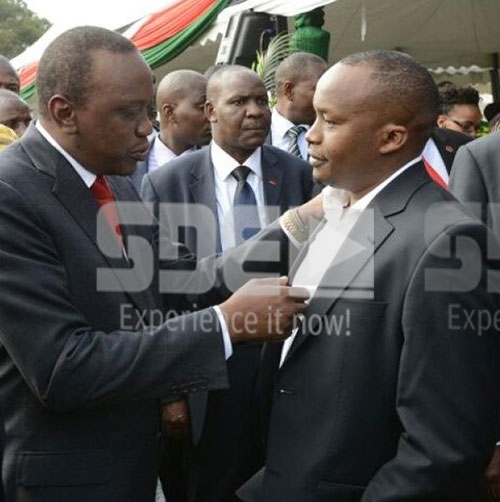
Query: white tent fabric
point(436, 32)
point(439, 33)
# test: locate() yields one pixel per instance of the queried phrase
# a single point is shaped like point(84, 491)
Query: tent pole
point(495, 78)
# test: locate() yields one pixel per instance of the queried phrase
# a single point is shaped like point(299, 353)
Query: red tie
point(103, 196)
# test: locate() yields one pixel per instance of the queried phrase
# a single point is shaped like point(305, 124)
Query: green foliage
point(267, 60)
point(19, 27)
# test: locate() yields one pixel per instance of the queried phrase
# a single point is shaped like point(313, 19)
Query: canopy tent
point(439, 33)
point(160, 36)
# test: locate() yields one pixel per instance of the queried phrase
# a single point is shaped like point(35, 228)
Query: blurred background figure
point(7, 136)
point(8, 76)
point(296, 79)
point(459, 108)
point(15, 113)
point(492, 115)
point(180, 101)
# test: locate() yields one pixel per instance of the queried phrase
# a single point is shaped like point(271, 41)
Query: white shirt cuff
point(228, 346)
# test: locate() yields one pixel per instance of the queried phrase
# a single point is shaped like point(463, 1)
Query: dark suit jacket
point(386, 393)
point(448, 142)
point(79, 385)
point(190, 180)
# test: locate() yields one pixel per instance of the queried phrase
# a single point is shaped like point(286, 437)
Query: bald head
point(14, 112)
point(180, 100)
point(178, 84)
point(296, 78)
point(299, 66)
point(8, 76)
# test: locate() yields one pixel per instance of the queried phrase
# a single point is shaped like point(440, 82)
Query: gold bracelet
point(296, 230)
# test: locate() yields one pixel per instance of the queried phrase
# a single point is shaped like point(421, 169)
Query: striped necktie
point(293, 135)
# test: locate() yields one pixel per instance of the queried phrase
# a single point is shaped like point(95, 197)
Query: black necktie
point(246, 214)
point(293, 134)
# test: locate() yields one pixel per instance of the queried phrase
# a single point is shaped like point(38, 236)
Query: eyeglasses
point(466, 126)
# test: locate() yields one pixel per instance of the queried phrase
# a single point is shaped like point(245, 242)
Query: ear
point(394, 137)
point(210, 112)
point(62, 112)
point(288, 89)
point(441, 121)
point(168, 110)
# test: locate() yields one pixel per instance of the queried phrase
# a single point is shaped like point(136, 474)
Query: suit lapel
point(272, 179)
point(366, 238)
point(202, 187)
point(75, 197)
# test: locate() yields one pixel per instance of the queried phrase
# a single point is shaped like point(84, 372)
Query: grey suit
point(82, 386)
point(475, 177)
point(190, 180)
point(395, 400)
point(229, 450)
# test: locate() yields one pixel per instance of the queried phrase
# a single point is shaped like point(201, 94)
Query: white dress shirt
point(225, 189)
point(279, 128)
point(340, 219)
point(160, 154)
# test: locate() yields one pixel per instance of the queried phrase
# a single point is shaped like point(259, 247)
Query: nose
point(254, 108)
point(145, 126)
point(312, 134)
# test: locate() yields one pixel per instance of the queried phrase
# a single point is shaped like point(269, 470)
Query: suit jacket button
point(286, 392)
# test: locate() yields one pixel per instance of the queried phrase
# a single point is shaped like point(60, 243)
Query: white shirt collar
point(336, 199)
point(281, 125)
point(224, 164)
point(87, 177)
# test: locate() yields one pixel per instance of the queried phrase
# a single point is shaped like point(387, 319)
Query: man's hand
point(175, 418)
point(493, 475)
point(263, 309)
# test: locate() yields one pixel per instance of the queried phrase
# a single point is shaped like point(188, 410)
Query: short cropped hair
point(451, 95)
point(403, 81)
point(296, 67)
point(66, 65)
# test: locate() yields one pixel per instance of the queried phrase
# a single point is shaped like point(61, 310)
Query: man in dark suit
point(385, 393)
point(82, 367)
point(475, 180)
point(237, 107)
point(180, 99)
point(439, 152)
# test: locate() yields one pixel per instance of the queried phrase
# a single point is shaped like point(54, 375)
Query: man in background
point(296, 77)
point(14, 112)
point(180, 101)
point(9, 79)
point(228, 191)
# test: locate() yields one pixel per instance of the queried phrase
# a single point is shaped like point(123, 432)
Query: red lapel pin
point(272, 181)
